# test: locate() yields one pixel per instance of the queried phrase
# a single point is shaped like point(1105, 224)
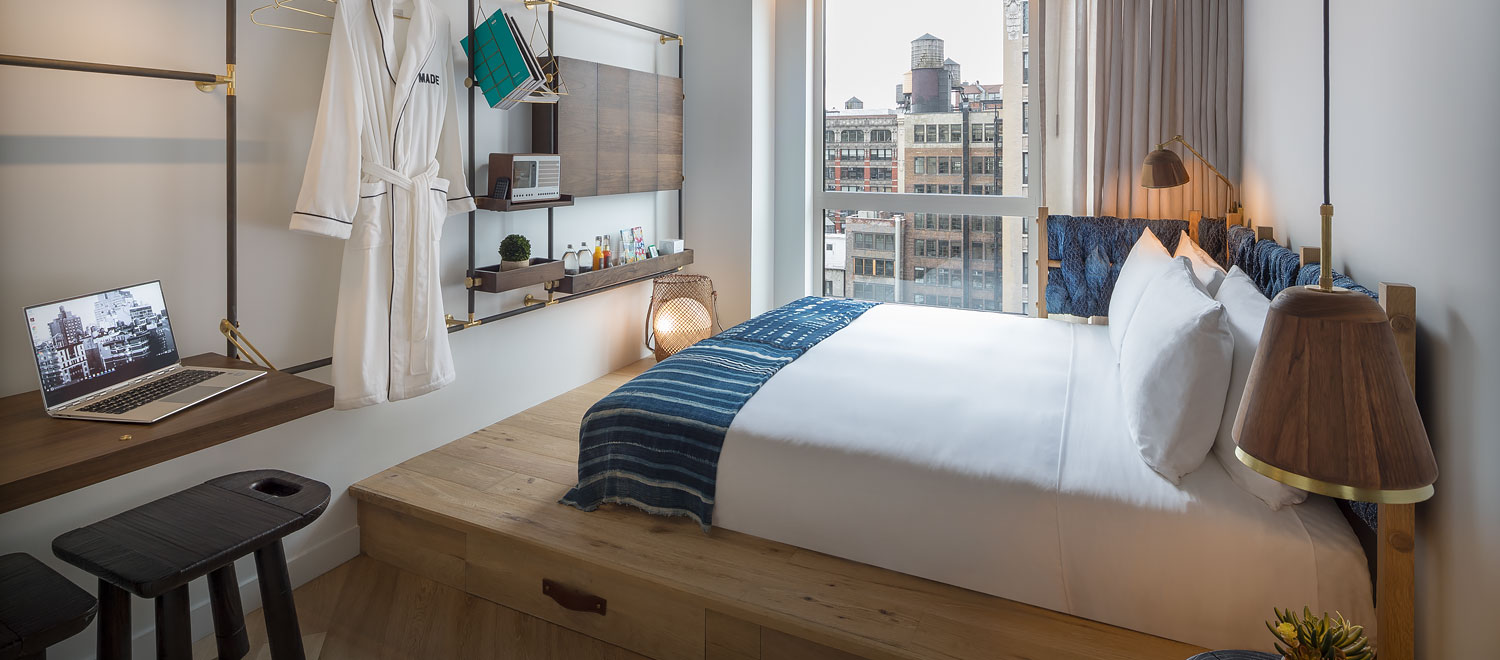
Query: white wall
point(109, 180)
point(727, 165)
point(1415, 165)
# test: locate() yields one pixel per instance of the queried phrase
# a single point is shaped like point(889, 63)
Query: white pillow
point(1146, 260)
point(1208, 272)
point(1174, 371)
point(1246, 309)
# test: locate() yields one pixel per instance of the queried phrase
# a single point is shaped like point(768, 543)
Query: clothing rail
point(206, 82)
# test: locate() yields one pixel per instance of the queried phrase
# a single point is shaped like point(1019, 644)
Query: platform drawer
point(597, 602)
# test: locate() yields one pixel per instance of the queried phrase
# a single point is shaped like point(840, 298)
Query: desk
point(42, 457)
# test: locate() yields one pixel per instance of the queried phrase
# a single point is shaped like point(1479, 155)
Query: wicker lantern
point(681, 313)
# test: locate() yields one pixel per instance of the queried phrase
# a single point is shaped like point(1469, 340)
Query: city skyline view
point(867, 44)
point(38, 318)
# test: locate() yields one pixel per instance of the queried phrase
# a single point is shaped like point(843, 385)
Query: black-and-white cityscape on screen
point(90, 342)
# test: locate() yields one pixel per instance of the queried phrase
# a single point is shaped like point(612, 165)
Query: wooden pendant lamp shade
point(1328, 407)
point(1163, 168)
point(681, 313)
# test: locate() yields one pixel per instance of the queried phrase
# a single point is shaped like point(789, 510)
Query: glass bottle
point(598, 251)
point(570, 261)
point(584, 256)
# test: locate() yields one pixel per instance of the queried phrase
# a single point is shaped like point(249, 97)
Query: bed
point(1010, 494)
point(997, 461)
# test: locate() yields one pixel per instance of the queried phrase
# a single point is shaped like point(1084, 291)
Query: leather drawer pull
point(574, 599)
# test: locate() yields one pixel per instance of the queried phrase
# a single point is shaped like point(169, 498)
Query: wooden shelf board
point(506, 206)
point(598, 279)
point(46, 457)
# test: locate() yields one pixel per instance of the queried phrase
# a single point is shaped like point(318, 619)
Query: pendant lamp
point(1328, 407)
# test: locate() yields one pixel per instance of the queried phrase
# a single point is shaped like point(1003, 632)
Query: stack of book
point(505, 67)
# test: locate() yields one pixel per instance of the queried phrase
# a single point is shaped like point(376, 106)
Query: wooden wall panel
point(579, 143)
point(668, 133)
point(643, 131)
point(614, 130)
point(618, 130)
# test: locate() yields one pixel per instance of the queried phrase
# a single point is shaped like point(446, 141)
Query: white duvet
point(990, 452)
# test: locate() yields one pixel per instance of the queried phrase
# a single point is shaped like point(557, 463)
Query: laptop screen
point(91, 342)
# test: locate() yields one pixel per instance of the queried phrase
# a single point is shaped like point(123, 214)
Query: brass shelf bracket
point(240, 341)
point(551, 298)
point(664, 39)
point(453, 322)
point(227, 80)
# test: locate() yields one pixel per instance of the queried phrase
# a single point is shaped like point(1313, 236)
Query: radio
point(533, 177)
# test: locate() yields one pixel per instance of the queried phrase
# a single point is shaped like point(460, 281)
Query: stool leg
point(174, 628)
point(282, 630)
point(229, 614)
point(114, 623)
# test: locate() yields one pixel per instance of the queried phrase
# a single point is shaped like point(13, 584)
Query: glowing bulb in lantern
point(680, 323)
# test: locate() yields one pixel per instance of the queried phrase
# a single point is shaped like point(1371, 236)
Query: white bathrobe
point(383, 173)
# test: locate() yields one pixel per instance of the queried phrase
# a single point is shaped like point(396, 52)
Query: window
point(1025, 168)
point(827, 136)
point(869, 241)
point(851, 154)
point(828, 172)
point(872, 267)
point(949, 250)
point(1026, 118)
point(1025, 70)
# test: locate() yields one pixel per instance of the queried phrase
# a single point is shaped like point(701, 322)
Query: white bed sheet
point(989, 451)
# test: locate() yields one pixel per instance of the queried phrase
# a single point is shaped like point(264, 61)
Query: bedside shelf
point(490, 279)
point(506, 206)
point(598, 279)
point(46, 457)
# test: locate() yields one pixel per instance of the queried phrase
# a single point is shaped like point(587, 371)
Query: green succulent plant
point(1308, 637)
point(515, 247)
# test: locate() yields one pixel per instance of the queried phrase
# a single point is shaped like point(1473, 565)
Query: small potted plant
point(1318, 638)
point(515, 252)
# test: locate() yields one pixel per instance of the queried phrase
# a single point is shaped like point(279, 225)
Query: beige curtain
point(1162, 68)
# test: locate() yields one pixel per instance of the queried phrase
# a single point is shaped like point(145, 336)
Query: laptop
point(111, 356)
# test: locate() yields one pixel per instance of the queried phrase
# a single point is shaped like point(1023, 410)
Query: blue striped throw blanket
point(654, 442)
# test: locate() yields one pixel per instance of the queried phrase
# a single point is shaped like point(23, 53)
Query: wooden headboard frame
point(1391, 548)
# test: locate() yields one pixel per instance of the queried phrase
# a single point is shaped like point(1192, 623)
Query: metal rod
point(552, 147)
point(231, 181)
point(682, 183)
point(617, 19)
point(113, 69)
point(309, 366)
point(473, 185)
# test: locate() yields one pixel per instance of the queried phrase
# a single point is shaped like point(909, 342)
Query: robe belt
point(422, 215)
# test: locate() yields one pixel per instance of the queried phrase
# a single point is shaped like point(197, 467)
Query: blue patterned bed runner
point(654, 442)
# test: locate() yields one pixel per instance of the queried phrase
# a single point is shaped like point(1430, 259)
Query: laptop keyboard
point(152, 391)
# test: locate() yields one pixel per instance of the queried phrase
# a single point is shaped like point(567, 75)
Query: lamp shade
point(1163, 169)
point(1328, 407)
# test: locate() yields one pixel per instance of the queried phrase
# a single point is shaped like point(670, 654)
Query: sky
point(868, 44)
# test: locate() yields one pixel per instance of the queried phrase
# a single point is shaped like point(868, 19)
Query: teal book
point(499, 68)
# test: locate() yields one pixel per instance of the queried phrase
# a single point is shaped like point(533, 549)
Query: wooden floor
point(481, 515)
point(370, 610)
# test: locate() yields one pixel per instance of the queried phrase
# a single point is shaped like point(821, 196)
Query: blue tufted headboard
point(1084, 256)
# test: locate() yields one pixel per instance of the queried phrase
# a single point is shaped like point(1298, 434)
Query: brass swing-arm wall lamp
point(1162, 168)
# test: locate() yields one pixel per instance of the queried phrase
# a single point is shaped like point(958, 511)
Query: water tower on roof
point(955, 77)
point(854, 104)
point(927, 52)
point(929, 77)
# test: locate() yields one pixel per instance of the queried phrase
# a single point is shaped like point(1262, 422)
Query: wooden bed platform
point(481, 514)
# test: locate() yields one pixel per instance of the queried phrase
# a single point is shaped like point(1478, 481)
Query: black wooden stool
point(39, 608)
point(156, 549)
